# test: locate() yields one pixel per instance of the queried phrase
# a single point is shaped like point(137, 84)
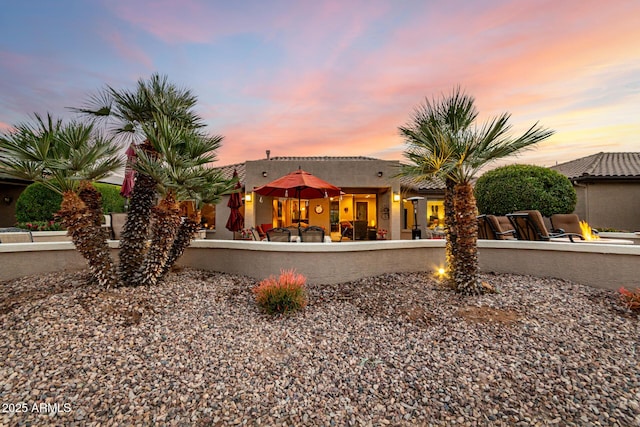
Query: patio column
point(249, 210)
point(396, 204)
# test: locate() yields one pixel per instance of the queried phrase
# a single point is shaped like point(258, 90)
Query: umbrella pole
point(299, 214)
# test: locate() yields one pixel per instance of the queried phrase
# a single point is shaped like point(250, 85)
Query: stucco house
point(608, 189)
point(374, 198)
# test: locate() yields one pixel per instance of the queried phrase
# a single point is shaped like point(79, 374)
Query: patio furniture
point(484, 231)
point(313, 233)
point(360, 230)
point(346, 230)
point(567, 223)
point(494, 227)
point(249, 234)
point(23, 236)
point(301, 185)
point(262, 235)
point(279, 234)
point(529, 225)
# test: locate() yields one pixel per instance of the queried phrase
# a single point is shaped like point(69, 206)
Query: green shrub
point(284, 294)
point(112, 201)
point(524, 187)
point(37, 203)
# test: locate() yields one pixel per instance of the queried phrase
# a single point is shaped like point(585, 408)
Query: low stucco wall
point(319, 262)
point(50, 236)
point(603, 265)
point(606, 266)
point(26, 259)
point(634, 237)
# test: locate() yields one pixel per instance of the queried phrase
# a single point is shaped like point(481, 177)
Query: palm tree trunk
point(465, 274)
point(183, 239)
point(450, 229)
point(133, 242)
point(165, 223)
point(88, 237)
point(93, 200)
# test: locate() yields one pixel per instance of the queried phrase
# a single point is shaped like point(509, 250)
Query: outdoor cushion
point(569, 223)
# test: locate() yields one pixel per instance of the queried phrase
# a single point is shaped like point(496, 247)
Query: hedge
point(38, 203)
point(524, 187)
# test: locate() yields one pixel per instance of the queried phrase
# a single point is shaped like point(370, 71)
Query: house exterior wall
point(348, 174)
point(613, 204)
point(8, 210)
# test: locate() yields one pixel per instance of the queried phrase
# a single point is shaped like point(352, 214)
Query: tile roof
point(322, 158)
point(227, 171)
point(602, 165)
point(429, 185)
point(406, 182)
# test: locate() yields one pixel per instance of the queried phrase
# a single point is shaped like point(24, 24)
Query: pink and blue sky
point(333, 78)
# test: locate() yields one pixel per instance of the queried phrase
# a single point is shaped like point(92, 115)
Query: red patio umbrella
point(129, 173)
point(300, 184)
point(236, 220)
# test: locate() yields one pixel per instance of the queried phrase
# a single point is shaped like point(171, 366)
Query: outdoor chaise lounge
point(567, 223)
point(279, 235)
point(494, 227)
point(312, 233)
point(529, 225)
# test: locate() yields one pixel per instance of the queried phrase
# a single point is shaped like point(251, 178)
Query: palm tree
point(427, 155)
point(132, 114)
point(182, 173)
point(66, 158)
point(212, 186)
point(442, 142)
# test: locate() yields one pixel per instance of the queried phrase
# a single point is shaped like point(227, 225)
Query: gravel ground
point(398, 349)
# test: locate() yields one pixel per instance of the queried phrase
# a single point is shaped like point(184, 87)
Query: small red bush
point(284, 294)
point(630, 299)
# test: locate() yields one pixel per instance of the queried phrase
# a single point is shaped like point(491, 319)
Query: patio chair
point(494, 227)
point(279, 234)
point(313, 233)
point(566, 223)
point(23, 236)
point(262, 235)
point(346, 230)
point(254, 234)
point(529, 225)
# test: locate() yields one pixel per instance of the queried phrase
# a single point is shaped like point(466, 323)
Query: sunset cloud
point(338, 78)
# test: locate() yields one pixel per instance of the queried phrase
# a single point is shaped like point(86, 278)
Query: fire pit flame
point(587, 232)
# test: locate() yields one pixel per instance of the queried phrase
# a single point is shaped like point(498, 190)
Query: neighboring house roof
point(602, 166)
